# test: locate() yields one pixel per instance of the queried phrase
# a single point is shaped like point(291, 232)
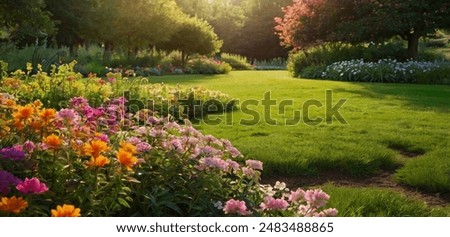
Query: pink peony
point(236, 207)
point(32, 185)
point(271, 203)
point(297, 195)
point(316, 198)
point(254, 164)
point(215, 162)
point(249, 172)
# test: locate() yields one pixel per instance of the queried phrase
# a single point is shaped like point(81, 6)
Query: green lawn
point(383, 120)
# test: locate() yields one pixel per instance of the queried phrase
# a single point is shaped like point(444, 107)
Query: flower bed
point(385, 70)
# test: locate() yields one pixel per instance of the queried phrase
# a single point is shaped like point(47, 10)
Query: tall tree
point(137, 24)
point(72, 19)
point(258, 40)
point(310, 22)
point(25, 21)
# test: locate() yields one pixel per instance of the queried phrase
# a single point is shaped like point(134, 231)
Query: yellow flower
point(66, 211)
point(126, 158)
point(13, 204)
point(98, 161)
point(95, 148)
point(128, 147)
point(52, 142)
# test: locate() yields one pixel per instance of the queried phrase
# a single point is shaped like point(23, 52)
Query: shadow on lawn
point(435, 97)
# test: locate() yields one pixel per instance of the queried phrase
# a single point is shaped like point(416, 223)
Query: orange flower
point(23, 112)
point(47, 115)
point(66, 211)
point(37, 103)
point(126, 158)
point(13, 204)
point(52, 142)
point(95, 148)
point(128, 147)
point(98, 161)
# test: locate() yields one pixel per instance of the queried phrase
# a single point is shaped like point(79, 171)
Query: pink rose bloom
point(271, 203)
point(32, 185)
point(297, 195)
point(316, 198)
point(236, 207)
point(254, 164)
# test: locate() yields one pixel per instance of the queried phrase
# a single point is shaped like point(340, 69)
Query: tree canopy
point(310, 22)
point(193, 36)
point(25, 20)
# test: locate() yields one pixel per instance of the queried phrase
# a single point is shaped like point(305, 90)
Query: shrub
point(383, 71)
point(336, 52)
point(207, 66)
point(104, 161)
point(17, 58)
point(273, 64)
point(182, 103)
point(237, 62)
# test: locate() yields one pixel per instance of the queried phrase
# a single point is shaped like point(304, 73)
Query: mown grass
point(384, 120)
point(378, 202)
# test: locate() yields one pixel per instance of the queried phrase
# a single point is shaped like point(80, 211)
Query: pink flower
point(134, 140)
point(215, 162)
point(254, 164)
point(68, 115)
point(297, 195)
point(233, 164)
point(143, 147)
point(316, 198)
point(329, 212)
point(271, 203)
point(32, 185)
point(306, 210)
point(28, 146)
point(236, 207)
point(249, 172)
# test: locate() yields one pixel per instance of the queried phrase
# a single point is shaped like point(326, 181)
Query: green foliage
point(18, 57)
point(26, 21)
point(204, 65)
point(272, 64)
point(237, 62)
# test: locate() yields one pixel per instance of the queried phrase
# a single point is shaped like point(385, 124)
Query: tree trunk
point(413, 45)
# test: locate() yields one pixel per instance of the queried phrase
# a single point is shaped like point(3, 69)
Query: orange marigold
point(128, 147)
point(13, 204)
point(66, 211)
point(95, 148)
point(23, 112)
point(126, 158)
point(47, 115)
point(98, 161)
point(52, 142)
